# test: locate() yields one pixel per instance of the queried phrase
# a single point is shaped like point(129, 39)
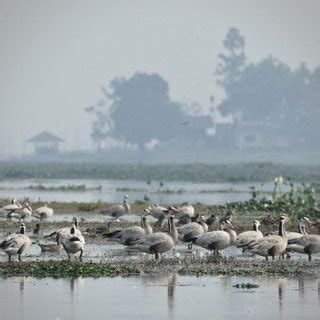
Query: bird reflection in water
point(172, 283)
point(281, 290)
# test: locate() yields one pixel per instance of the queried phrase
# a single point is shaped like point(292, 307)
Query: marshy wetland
point(233, 284)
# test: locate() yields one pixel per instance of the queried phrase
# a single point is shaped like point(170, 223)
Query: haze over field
point(56, 55)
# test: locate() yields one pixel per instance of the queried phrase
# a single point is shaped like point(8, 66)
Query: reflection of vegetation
point(247, 285)
point(240, 172)
point(78, 188)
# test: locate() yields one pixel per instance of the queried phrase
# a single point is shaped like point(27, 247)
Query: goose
point(217, 240)
point(158, 242)
point(307, 244)
point(157, 212)
point(296, 235)
point(49, 247)
point(44, 212)
point(228, 216)
point(73, 242)
point(210, 221)
point(37, 228)
point(272, 245)
point(247, 237)
point(12, 208)
point(16, 243)
point(268, 221)
point(128, 235)
point(25, 212)
point(60, 232)
point(191, 230)
point(118, 210)
point(185, 210)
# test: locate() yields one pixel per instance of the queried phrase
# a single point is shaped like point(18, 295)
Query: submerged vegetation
point(241, 172)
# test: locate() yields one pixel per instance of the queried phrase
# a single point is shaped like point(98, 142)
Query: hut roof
point(45, 137)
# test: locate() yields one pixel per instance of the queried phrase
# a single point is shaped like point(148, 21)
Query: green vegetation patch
point(55, 268)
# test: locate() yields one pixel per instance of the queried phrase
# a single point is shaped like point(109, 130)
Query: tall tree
point(233, 61)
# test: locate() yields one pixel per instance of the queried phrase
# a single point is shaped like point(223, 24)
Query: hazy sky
point(55, 54)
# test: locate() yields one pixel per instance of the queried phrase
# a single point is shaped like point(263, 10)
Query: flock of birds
point(192, 229)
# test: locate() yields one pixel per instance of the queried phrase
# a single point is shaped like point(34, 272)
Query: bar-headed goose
point(128, 235)
point(217, 240)
point(307, 244)
point(185, 210)
point(247, 237)
point(118, 210)
point(60, 232)
point(12, 208)
point(191, 230)
point(44, 212)
point(16, 243)
point(272, 245)
point(158, 242)
point(73, 243)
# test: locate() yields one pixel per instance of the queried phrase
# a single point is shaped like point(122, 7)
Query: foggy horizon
point(57, 55)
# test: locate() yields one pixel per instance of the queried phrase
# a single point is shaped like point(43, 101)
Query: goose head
point(226, 225)
point(73, 229)
point(75, 222)
point(22, 228)
point(256, 225)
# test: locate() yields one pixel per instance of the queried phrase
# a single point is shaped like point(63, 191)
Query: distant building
point(45, 143)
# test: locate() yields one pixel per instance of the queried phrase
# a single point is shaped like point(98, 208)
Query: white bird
point(247, 237)
point(128, 235)
point(118, 210)
point(158, 242)
point(16, 243)
point(60, 232)
point(12, 208)
point(44, 212)
point(217, 240)
point(73, 242)
point(272, 245)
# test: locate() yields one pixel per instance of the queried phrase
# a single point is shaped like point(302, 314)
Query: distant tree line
point(268, 97)
point(270, 93)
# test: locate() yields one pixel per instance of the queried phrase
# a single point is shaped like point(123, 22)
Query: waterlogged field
point(113, 282)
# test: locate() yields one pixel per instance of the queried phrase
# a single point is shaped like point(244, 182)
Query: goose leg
point(309, 257)
point(81, 253)
point(19, 257)
point(267, 259)
point(156, 255)
point(9, 258)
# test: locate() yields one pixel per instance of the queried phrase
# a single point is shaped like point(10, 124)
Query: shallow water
point(159, 297)
point(113, 190)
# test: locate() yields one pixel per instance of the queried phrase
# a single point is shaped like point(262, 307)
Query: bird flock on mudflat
point(192, 229)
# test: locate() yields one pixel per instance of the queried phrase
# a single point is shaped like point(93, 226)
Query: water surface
point(159, 297)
